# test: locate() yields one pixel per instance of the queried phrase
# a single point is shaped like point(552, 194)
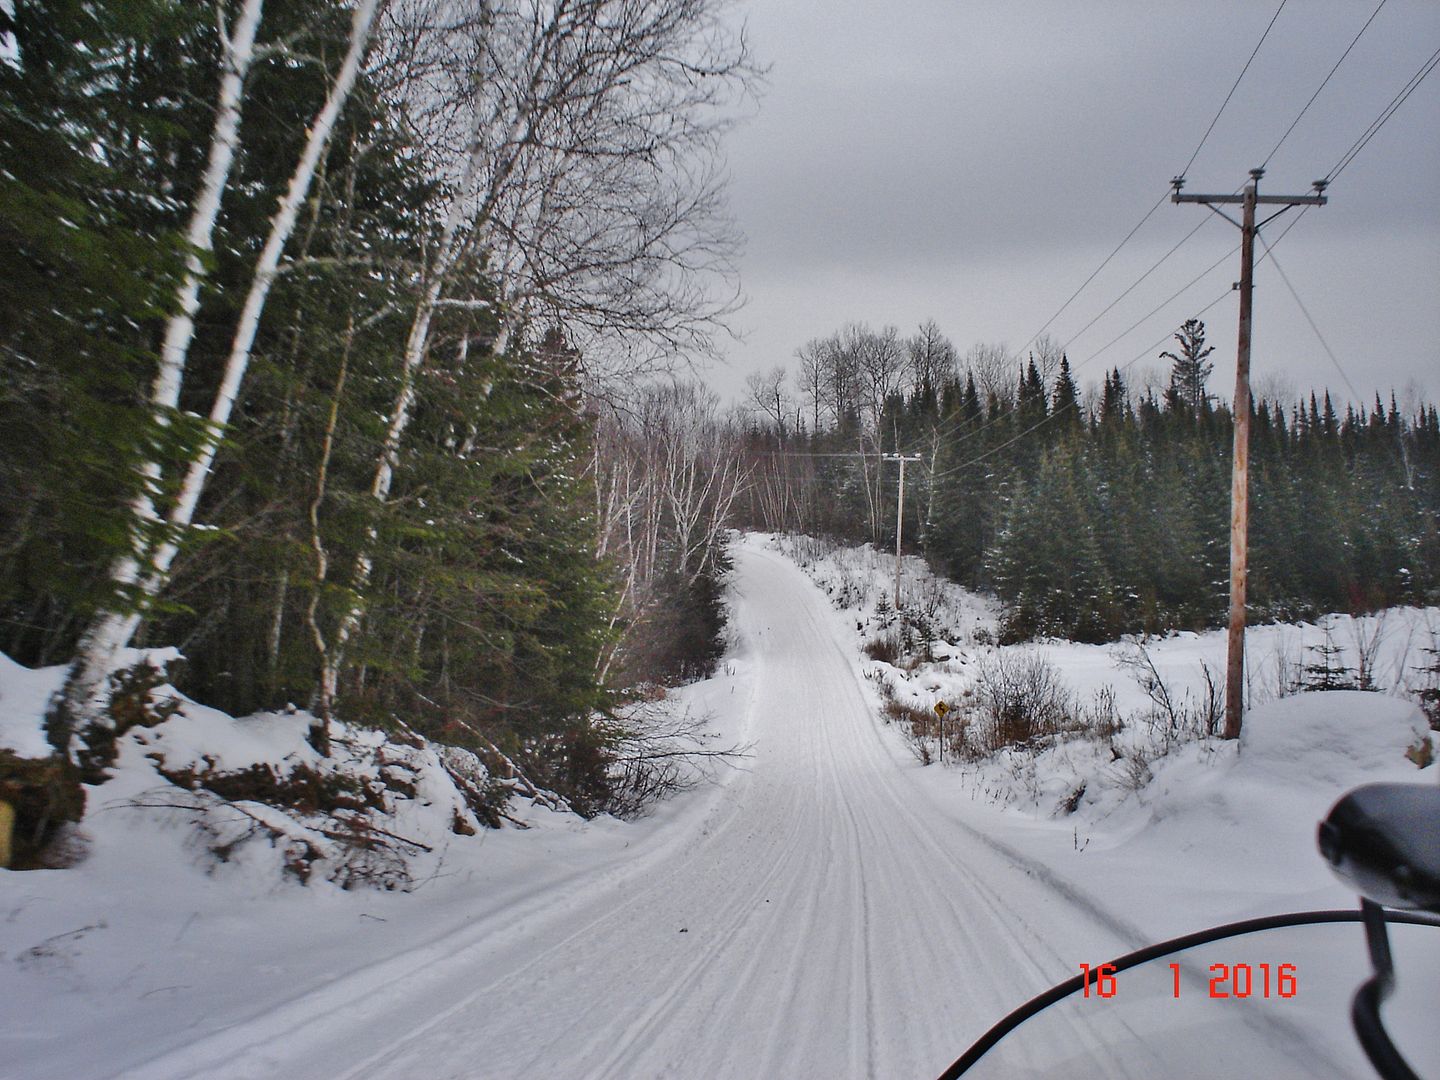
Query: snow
point(24, 695)
point(829, 908)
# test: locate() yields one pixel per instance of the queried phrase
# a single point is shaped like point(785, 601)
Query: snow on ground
point(151, 942)
point(831, 908)
point(1131, 707)
point(1155, 823)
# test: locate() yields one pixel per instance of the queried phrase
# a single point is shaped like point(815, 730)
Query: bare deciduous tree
point(994, 370)
point(1047, 352)
point(811, 378)
point(770, 397)
point(932, 357)
point(668, 470)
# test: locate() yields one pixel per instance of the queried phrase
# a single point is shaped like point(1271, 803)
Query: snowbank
point(1133, 793)
point(185, 913)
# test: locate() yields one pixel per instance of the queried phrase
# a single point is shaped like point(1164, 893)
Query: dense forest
point(1100, 513)
point(323, 328)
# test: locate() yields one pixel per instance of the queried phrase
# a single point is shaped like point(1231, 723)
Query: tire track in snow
point(638, 1035)
point(1284, 1041)
point(733, 917)
point(874, 768)
point(802, 892)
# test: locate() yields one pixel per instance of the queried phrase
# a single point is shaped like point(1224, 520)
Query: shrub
point(885, 648)
point(656, 752)
point(1018, 697)
point(905, 642)
point(679, 636)
point(920, 728)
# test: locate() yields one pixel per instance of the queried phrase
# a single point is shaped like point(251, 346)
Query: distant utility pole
point(899, 518)
point(1240, 469)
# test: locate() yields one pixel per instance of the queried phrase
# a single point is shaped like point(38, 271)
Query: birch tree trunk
point(329, 665)
point(82, 698)
point(111, 631)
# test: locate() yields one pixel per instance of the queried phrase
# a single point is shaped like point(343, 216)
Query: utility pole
point(899, 519)
point(1240, 463)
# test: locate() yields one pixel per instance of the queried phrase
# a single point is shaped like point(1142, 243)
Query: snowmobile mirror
point(1384, 840)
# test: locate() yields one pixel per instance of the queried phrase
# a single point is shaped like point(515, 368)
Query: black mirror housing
point(1384, 841)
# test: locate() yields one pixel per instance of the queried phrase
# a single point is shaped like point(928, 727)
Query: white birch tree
point(145, 574)
point(583, 189)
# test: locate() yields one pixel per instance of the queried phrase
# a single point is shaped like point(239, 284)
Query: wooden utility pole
point(1240, 462)
point(899, 519)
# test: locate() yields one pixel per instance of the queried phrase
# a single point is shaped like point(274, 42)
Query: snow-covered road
point(821, 915)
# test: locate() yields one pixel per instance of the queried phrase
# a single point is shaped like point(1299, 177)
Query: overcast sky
point(972, 162)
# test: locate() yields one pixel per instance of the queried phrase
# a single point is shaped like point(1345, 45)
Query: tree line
point(1101, 512)
point(319, 327)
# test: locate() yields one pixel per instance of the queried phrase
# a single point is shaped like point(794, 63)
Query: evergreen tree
point(1030, 404)
point(1114, 402)
point(1189, 369)
point(89, 250)
point(1046, 563)
point(1065, 404)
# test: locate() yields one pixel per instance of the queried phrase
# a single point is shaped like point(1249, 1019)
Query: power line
point(1327, 78)
point(1095, 273)
point(1175, 295)
point(947, 428)
point(1356, 148)
point(1141, 355)
point(951, 424)
point(1355, 394)
point(1409, 88)
point(1233, 88)
point(815, 454)
point(1146, 217)
point(1137, 282)
point(1052, 416)
point(1149, 213)
point(1380, 121)
point(1157, 309)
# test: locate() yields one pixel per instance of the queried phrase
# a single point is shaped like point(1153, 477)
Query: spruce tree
point(89, 250)
point(1065, 403)
point(1189, 368)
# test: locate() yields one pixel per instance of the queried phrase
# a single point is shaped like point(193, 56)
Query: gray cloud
point(973, 162)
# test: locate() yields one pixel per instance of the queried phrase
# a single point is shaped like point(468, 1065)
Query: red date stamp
point(1226, 980)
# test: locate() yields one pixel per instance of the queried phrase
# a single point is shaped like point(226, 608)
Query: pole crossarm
point(1260, 200)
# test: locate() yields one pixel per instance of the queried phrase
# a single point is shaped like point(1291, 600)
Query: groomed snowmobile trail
point(819, 917)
